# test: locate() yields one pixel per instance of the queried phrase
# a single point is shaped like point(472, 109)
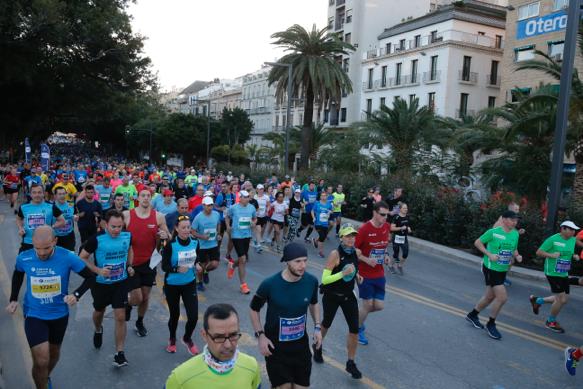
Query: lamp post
point(562, 113)
point(289, 67)
point(129, 129)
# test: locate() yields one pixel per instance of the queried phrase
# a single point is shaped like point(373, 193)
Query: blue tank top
point(68, 213)
point(35, 215)
point(113, 254)
point(182, 256)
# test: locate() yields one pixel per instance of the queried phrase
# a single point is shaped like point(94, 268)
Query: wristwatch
point(77, 295)
point(259, 333)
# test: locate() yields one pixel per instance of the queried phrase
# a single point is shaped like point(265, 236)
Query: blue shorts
point(372, 288)
point(335, 215)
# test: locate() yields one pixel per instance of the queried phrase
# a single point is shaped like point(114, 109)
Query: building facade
point(258, 100)
point(449, 59)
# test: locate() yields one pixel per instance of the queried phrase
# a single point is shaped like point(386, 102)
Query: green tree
point(317, 77)
point(236, 126)
point(343, 154)
point(321, 136)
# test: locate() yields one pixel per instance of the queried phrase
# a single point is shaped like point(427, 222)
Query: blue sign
point(542, 25)
point(45, 157)
point(27, 151)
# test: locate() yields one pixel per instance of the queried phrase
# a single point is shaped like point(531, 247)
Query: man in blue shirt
point(240, 221)
point(205, 228)
point(65, 234)
point(309, 198)
point(46, 268)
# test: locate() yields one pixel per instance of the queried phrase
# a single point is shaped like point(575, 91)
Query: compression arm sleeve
point(257, 303)
point(328, 277)
point(89, 280)
point(17, 280)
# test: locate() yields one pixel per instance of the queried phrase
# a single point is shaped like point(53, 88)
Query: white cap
point(298, 190)
point(244, 193)
point(208, 193)
point(260, 186)
point(207, 201)
point(569, 224)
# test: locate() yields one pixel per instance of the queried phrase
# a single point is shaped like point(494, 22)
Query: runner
point(280, 210)
point(168, 205)
point(178, 262)
point(263, 204)
point(65, 234)
point(514, 208)
point(502, 245)
point(105, 192)
point(338, 200)
point(401, 229)
point(225, 200)
point(181, 210)
point(558, 251)
point(46, 312)
point(89, 211)
point(338, 278)
point(35, 214)
point(321, 214)
point(366, 205)
point(295, 211)
point(129, 192)
point(113, 255)
point(284, 339)
point(372, 240)
point(309, 198)
point(242, 216)
point(69, 187)
point(147, 227)
point(221, 365)
point(205, 228)
point(11, 184)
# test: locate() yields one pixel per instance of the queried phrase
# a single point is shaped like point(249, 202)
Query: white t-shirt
point(279, 211)
point(262, 202)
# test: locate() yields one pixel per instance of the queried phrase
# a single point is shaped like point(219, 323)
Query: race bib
point(324, 216)
point(45, 287)
point(66, 228)
point(378, 255)
point(504, 257)
point(291, 329)
point(211, 232)
point(186, 258)
point(35, 220)
point(311, 199)
point(116, 271)
point(399, 239)
point(295, 212)
point(261, 210)
point(563, 266)
point(244, 223)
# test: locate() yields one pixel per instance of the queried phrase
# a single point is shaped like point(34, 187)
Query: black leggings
point(349, 306)
point(190, 300)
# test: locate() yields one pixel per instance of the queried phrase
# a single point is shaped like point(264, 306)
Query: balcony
point(493, 81)
point(438, 39)
point(411, 79)
point(432, 77)
point(339, 24)
point(470, 78)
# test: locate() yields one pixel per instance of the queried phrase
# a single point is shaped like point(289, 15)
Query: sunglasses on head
point(183, 217)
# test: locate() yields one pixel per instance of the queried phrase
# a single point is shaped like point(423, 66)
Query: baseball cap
point(569, 224)
point(347, 229)
point(293, 251)
point(207, 201)
point(167, 192)
point(260, 186)
point(244, 193)
point(510, 215)
point(208, 193)
point(298, 190)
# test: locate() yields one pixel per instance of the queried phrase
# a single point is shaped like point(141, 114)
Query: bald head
point(43, 234)
point(44, 241)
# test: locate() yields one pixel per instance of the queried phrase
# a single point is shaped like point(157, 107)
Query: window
point(466, 68)
point(402, 44)
point(433, 36)
point(431, 101)
point(384, 76)
point(519, 92)
point(414, 71)
point(560, 4)
point(417, 41)
point(368, 107)
point(349, 16)
point(388, 48)
point(330, 23)
point(493, 80)
point(463, 105)
point(498, 43)
point(411, 98)
point(433, 68)
point(346, 64)
point(524, 53)
point(528, 10)
point(370, 75)
point(556, 50)
point(283, 118)
point(382, 101)
point(326, 115)
point(491, 101)
point(342, 115)
point(482, 33)
point(348, 38)
point(398, 73)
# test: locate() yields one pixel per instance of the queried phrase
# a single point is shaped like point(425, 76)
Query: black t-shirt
point(254, 203)
point(401, 221)
point(295, 207)
point(88, 220)
point(367, 203)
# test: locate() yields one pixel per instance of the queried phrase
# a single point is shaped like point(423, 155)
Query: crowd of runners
point(134, 219)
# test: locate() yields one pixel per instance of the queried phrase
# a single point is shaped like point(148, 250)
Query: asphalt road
point(420, 340)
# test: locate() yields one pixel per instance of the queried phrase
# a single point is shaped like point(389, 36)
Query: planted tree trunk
point(307, 128)
point(577, 193)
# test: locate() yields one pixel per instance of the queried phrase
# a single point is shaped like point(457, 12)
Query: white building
point(359, 22)
point(219, 94)
point(258, 100)
point(449, 59)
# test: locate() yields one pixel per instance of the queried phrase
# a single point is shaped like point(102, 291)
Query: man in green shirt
point(129, 192)
point(499, 245)
point(338, 200)
point(558, 251)
point(221, 365)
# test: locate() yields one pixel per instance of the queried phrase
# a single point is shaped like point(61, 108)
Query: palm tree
point(317, 76)
point(405, 128)
point(551, 67)
point(321, 136)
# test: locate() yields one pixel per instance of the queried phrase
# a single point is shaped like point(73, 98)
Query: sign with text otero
point(528, 28)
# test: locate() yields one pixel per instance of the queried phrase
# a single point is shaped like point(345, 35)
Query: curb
point(458, 255)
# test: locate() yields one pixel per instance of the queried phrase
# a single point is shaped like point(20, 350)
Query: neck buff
point(218, 366)
point(347, 250)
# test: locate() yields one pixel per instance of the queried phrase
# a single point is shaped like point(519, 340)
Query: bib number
point(35, 220)
point(504, 257)
point(291, 329)
point(563, 266)
point(378, 255)
point(45, 287)
point(324, 216)
point(116, 271)
point(211, 232)
point(399, 239)
point(244, 223)
point(186, 258)
point(295, 212)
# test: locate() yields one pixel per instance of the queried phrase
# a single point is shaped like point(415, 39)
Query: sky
point(190, 40)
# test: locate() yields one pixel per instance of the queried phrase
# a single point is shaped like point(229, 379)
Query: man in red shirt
point(372, 240)
point(196, 200)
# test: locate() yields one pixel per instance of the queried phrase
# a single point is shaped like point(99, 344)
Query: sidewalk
point(454, 254)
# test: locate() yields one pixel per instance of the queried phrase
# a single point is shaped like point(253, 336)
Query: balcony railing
point(339, 24)
point(412, 79)
point(467, 77)
point(493, 81)
point(432, 77)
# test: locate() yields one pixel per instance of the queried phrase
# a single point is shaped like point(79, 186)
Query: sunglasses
point(383, 214)
point(183, 217)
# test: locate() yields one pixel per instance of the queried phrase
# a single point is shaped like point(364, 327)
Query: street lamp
point(129, 129)
point(289, 67)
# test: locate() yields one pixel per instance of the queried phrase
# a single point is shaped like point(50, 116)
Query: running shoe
point(535, 306)
point(190, 346)
point(230, 269)
point(317, 354)
point(353, 370)
point(141, 329)
point(492, 331)
point(245, 289)
point(128, 312)
point(570, 362)
point(98, 339)
point(119, 359)
point(205, 277)
point(475, 321)
point(361, 337)
point(400, 270)
point(200, 287)
point(555, 327)
point(171, 348)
